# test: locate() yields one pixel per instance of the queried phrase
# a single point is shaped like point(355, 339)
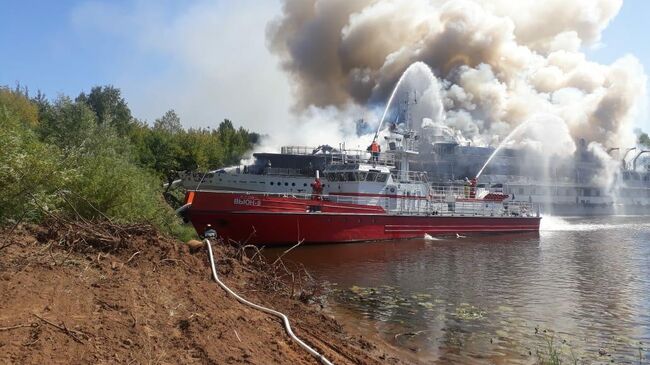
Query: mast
point(406, 145)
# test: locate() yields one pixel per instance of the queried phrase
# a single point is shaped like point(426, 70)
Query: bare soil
point(79, 293)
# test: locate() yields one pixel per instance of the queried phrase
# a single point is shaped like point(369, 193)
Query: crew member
point(374, 150)
point(316, 189)
point(472, 188)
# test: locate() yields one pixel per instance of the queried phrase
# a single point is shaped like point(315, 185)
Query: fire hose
point(285, 319)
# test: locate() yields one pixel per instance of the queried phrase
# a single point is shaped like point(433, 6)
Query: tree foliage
point(90, 157)
point(18, 103)
point(167, 147)
point(110, 108)
point(169, 122)
point(644, 140)
point(67, 124)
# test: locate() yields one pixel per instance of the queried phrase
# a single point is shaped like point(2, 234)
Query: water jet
point(419, 65)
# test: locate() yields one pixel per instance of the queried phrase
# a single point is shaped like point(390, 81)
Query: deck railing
point(344, 156)
point(361, 156)
point(421, 206)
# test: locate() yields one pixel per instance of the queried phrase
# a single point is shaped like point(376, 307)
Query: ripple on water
point(580, 285)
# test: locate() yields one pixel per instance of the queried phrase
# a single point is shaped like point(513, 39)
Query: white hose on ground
point(284, 318)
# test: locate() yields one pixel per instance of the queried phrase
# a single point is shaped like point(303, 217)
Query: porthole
point(305, 184)
point(293, 184)
point(271, 182)
point(286, 184)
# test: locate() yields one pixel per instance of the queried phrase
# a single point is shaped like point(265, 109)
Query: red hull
point(265, 220)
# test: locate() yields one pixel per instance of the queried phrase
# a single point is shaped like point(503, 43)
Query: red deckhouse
point(370, 198)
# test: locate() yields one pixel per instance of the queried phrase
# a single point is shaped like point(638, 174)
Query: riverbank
point(76, 292)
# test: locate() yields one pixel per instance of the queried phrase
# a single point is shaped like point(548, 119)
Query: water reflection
point(499, 299)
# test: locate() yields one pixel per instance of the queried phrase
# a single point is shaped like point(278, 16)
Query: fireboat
point(371, 197)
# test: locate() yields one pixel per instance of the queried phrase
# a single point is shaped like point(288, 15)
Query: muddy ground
point(80, 293)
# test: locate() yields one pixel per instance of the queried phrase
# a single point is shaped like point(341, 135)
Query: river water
point(580, 288)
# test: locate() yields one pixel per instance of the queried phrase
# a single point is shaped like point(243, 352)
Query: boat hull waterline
point(274, 220)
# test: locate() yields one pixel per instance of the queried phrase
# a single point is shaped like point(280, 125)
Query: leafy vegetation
point(644, 139)
point(90, 158)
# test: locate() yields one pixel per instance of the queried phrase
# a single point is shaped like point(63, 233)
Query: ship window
point(362, 176)
point(331, 176)
point(382, 177)
point(340, 176)
point(372, 176)
point(351, 176)
point(305, 184)
point(293, 184)
point(286, 184)
point(271, 182)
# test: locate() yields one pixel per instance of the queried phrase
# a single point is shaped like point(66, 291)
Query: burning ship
point(565, 186)
point(328, 195)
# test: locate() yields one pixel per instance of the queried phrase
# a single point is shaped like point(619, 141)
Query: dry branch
point(31, 324)
point(72, 333)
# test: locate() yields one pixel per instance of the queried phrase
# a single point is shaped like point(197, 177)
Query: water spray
point(502, 144)
point(416, 65)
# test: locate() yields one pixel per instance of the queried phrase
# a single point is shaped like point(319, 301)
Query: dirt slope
point(78, 293)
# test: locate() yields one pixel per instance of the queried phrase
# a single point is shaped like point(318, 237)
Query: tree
point(225, 127)
point(170, 122)
point(18, 103)
point(31, 170)
point(644, 139)
point(110, 107)
point(67, 124)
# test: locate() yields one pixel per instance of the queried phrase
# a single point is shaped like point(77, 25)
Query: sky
point(208, 60)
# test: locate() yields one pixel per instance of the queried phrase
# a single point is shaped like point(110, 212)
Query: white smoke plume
point(610, 166)
point(499, 63)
